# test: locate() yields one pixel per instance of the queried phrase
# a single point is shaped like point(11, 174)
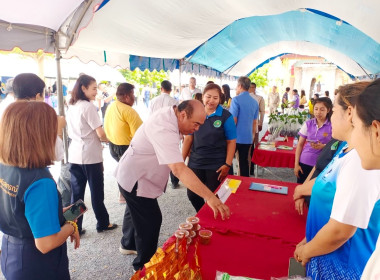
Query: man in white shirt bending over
point(164, 99)
point(190, 91)
point(161, 101)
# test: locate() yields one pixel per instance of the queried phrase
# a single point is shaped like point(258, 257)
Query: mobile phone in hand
point(75, 211)
point(296, 268)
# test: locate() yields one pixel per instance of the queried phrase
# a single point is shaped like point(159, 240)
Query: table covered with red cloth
point(278, 158)
point(259, 238)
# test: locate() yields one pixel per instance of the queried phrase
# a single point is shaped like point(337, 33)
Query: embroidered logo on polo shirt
point(325, 134)
point(335, 146)
point(217, 123)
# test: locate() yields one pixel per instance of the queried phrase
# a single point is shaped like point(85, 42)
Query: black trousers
point(243, 150)
point(210, 179)
point(117, 151)
point(306, 171)
point(93, 173)
point(173, 179)
point(141, 226)
point(20, 259)
point(254, 144)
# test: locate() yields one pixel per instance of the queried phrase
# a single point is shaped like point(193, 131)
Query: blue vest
point(14, 182)
point(209, 147)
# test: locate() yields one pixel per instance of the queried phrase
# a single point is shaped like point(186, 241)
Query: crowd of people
point(193, 141)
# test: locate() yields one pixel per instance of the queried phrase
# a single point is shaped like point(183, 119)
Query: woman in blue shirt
point(31, 216)
point(212, 146)
point(366, 140)
point(339, 238)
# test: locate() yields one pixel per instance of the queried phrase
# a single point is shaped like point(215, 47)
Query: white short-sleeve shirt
point(82, 122)
point(372, 268)
point(59, 151)
point(5, 103)
point(187, 93)
point(154, 146)
point(357, 191)
point(161, 101)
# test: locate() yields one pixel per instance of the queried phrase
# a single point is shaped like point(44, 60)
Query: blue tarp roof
point(244, 36)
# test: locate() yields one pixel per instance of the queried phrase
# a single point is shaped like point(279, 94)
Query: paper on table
point(267, 147)
point(284, 147)
point(233, 184)
point(223, 193)
point(279, 138)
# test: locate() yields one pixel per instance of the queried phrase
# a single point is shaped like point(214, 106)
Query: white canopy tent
point(46, 25)
point(173, 29)
point(198, 31)
point(169, 29)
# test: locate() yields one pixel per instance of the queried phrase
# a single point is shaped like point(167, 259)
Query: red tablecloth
point(278, 158)
point(259, 238)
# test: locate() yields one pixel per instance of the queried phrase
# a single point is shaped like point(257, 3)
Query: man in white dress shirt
point(273, 100)
point(143, 172)
point(189, 92)
point(164, 99)
point(161, 101)
point(261, 102)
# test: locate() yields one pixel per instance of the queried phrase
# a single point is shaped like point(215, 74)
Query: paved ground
point(98, 256)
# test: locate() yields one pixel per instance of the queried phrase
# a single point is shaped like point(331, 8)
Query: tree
point(260, 76)
point(153, 79)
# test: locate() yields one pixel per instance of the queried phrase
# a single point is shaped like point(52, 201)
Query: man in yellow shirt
point(121, 121)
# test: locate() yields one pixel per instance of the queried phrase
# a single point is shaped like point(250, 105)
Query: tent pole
point(61, 105)
point(365, 72)
point(82, 14)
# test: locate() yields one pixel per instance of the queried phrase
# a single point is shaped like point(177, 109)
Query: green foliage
point(293, 117)
point(260, 76)
point(152, 79)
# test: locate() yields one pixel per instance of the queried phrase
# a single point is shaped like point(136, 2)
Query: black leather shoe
point(175, 186)
point(110, 227)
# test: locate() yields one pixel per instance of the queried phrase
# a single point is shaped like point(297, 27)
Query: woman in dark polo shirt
point(212, 146)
